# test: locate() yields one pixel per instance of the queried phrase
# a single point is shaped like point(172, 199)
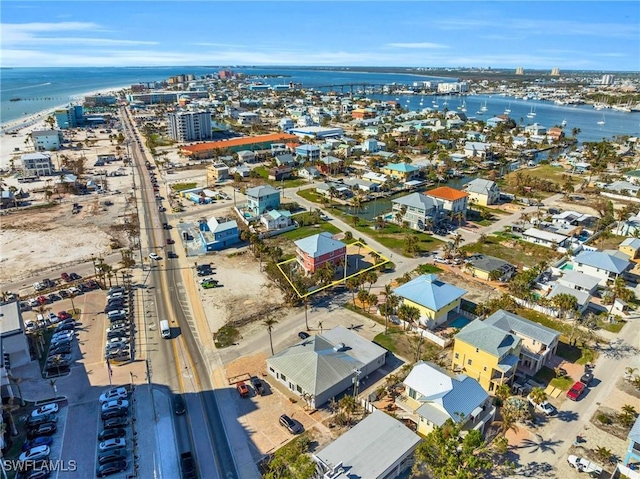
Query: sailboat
point(532, 113)
point(421, 101)
point(484, 108)
point(434, 102)
point(564, 122)
point(601, 122)
point(507, 110)
point(464, 106)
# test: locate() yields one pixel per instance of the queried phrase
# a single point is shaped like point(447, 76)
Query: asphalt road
point(181, 354)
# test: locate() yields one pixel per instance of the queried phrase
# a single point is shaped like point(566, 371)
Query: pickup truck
point(584, 465)
point(188, 466)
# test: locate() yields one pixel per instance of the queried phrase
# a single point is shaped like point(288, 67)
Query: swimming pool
point(460, 322)
point(566, 266)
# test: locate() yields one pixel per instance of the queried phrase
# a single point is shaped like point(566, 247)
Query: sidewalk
point(154, 449)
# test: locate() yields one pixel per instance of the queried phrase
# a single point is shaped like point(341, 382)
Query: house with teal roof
point(434, 299)
point(401, 171)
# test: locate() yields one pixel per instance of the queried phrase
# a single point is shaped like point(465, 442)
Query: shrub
point(604, 419)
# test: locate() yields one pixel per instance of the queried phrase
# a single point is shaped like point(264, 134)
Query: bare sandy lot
point(246, 294)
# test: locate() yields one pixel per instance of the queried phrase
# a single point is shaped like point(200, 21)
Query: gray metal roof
point(634, 434)
point(600, 260)
point(579, 279)
point(583, 297)
point(513, 323)
point(480, 186)
point(417, 200)
point(488, 337)
point(445, 395)
point(319, 244)
point(10, 318)
point(488, 263)
point(315, 366)
point(262, 191)
point(370, 448)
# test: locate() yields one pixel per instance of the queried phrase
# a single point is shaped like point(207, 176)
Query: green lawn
point(305, 231)
point(545, 172)
point(310, 194)
point(609, 241)
point(183, 186)
point(263, 171)
point(562, 383)
point(535, 316)
point(516, 252)
point(428, 269)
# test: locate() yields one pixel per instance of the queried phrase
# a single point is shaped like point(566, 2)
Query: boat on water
point(601, 122)
point(484, 108)
point(507, 110)
point(464, 106)
point(564, 122)
point(15, 99)
point(532, 113)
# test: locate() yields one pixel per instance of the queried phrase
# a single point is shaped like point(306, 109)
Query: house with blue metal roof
point(538, 342)
point(434, 299)
point(487, 353)
point(401, 171)
point(313, 252)
point(419, 211)
point(433, 395)
point(633, 449)
point(218, 233)
point(261, 199)
point(600, 264)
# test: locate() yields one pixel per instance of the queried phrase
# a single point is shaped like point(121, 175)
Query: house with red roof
point(454, 201)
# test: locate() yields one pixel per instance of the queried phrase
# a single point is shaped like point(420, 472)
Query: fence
point(536, 307)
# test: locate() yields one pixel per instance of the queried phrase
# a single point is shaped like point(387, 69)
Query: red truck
point(576, 391)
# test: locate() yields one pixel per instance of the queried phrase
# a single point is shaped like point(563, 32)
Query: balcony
point(407, 407)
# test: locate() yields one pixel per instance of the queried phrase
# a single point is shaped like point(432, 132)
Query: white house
point(545, 238)
point(37, 164)
point(476, 149)
point(602, 265)
point(47, 140)
point(246, 156)
point(276, 219)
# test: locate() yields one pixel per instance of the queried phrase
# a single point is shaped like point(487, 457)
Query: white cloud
point(417, 45)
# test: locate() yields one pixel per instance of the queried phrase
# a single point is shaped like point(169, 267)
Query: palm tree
point(269, 323)
point(372, 300)
point(16, 380)
point(503, 391)
point(306, 306)
point(332, 193)
point(538, 395)
point(370, 277)
point(352, 285)
point(508, 423)
point(618, 289)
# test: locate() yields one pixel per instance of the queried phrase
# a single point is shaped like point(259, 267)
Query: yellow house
point(487, 354)
point(434, 299)
point(630, 247)
point(401, 171)
point(483, 266)
point(432, 396)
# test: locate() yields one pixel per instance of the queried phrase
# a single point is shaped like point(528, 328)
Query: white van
point(165, 330)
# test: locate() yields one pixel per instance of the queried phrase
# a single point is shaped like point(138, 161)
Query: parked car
point(111, 413)
point(35, 454)
point(116, 443)
point(75, 291)
point(290, 425)
point(65, 277)
point(576, 391)
point(586, 378)
point(303, 335)
point(63, 293)
point(53, 297)
point(112, 455)
point(62, 315)
point(91, 284)
point(171, 255)
point(154, 257)
point(62, 336)
point(33, 421)
point(170, 241)
point(45, 429)
point(584, 465)
point(33, 302)
point(111, 433)
point(45, 409)
point(545, 407)
point(75, 276)
point(114, 404)
point(116, 312)
point(114, 394)
point(243, 390)
point(116, 289)
point(257, 385)
point(38, 441)
point(109, 468)
point(42, 300)
point(178, 404)
point(115, 296)
point(60, 349)
point(439, 259)
point(116, 422)
point(64, 327)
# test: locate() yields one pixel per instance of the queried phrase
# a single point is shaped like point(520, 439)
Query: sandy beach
point(14, 133)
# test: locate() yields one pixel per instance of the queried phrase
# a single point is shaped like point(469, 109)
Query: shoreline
point(15, 126)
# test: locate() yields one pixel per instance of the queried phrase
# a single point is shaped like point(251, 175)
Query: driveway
point(546, 455)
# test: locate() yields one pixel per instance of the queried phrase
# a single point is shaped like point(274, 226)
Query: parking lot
point(259, 415)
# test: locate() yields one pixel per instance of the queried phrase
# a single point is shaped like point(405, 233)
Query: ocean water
point(45, 88)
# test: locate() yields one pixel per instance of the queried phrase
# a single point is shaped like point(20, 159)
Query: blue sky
point(537, 35)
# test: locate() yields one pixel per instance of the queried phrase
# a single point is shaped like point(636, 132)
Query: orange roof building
point(252, 143)
point(455, 201)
